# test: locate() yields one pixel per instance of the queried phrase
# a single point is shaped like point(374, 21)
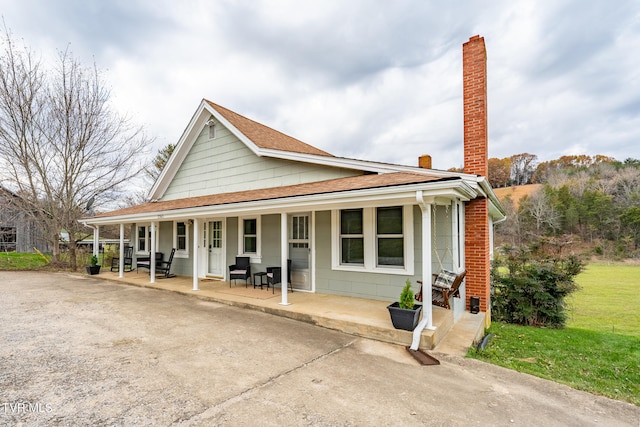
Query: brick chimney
point(474, 78)
point(478, 264)
point(424, 161)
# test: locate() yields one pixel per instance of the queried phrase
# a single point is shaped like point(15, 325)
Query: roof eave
point(401, 194)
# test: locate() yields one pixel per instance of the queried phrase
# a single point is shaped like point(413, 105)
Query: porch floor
point(357, 316)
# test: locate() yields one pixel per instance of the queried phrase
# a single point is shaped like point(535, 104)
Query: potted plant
point(93, 267)
point(405, 314)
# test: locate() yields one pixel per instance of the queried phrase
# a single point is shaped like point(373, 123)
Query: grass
point(598, 352)
point(609, 299)
point(22, 261)
point(597, 362)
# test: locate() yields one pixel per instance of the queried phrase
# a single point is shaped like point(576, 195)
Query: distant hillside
point(516, 192)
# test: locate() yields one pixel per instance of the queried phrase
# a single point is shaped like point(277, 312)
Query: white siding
point(225, 164)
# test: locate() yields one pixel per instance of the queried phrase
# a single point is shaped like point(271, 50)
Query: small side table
point(261, 275)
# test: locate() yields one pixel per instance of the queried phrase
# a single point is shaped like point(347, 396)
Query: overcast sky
point(374, 80)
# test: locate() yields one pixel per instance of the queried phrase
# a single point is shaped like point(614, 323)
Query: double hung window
point(376, 239)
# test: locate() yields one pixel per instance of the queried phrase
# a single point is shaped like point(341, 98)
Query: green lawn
point(609, 299)
point(21, 261)
point(598, 352)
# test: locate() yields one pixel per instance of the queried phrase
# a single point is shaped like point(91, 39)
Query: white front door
point(300, 251)
point(216, 248)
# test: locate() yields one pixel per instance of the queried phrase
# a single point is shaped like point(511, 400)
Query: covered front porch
point(357, 316)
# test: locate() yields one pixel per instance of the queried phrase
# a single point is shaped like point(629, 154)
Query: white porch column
point(96, 240)
point(284, 254)
point(427, 307)
point(152, 254)
point(196, 243)
point(121, 260)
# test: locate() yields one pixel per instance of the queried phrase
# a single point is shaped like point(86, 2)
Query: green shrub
point(406, 296)
point(530, 286)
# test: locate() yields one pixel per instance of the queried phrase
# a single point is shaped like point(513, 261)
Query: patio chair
point(274, 276)
point(145, 261)
point(446, 284)
point(240, 270)
point(163, 268)
point(128, 260)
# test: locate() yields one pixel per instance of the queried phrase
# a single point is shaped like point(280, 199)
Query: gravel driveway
point(75, 350)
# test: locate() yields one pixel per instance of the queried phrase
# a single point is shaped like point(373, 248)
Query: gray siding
point(270, 238)
point(379, 286)
point(225, 164)
point(386, 287)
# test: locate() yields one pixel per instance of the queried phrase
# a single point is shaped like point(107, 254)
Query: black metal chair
point(274, 276)
point(240, 270)
point(128, 260)
point(164, 267)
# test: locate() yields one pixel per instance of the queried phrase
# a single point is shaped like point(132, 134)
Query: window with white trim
point(389, 237)
point(249, 236)
point(373, 239)
point(181, 238)
point(351, 237)
point(143, 238)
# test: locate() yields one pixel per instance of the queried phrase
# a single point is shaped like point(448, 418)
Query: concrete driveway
point(81, 351)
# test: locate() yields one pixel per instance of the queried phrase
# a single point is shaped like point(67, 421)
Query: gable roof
point(264, 141)
point(264, 136)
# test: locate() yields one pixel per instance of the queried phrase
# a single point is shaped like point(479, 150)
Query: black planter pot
point(93, 269)
point(404, 318)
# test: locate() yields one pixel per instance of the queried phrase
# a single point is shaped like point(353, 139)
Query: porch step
point(468, 331)
point(442, 319)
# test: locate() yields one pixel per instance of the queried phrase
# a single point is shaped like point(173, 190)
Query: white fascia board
point(401, 195)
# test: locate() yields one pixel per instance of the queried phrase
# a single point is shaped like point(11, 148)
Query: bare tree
point(543, 212)
point(522, 168)
point(62, 149)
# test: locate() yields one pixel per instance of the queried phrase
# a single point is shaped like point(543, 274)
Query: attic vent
point(212, 128)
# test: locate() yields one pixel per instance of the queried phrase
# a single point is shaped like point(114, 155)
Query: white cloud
point(380, 81)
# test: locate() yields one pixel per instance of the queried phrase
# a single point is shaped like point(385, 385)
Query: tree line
point(592, 200)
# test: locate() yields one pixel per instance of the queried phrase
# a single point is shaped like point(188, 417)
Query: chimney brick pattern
point(474, 71)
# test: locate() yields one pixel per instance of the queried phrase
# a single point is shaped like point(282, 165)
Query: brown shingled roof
point(321, 187)
point(265, 137)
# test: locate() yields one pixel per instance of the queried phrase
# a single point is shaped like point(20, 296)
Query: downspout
point(427, 307)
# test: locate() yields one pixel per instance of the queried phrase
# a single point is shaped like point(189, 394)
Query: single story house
point(234, 187)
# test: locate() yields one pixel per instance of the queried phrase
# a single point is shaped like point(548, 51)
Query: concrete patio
point(357, 316)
